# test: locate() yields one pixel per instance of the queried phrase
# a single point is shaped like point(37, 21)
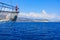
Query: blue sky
point(51, 6)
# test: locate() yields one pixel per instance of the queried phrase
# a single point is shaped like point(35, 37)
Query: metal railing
point(7, 11)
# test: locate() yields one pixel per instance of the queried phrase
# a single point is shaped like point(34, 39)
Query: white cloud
point(42, 15)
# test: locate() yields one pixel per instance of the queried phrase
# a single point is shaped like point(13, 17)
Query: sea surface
point(29, 30)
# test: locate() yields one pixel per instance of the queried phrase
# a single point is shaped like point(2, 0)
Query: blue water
point(30, 31)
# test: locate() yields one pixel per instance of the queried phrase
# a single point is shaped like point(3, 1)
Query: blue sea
point(29, 30)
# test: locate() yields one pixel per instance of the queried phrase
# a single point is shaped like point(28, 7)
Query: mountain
point(22, 19)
